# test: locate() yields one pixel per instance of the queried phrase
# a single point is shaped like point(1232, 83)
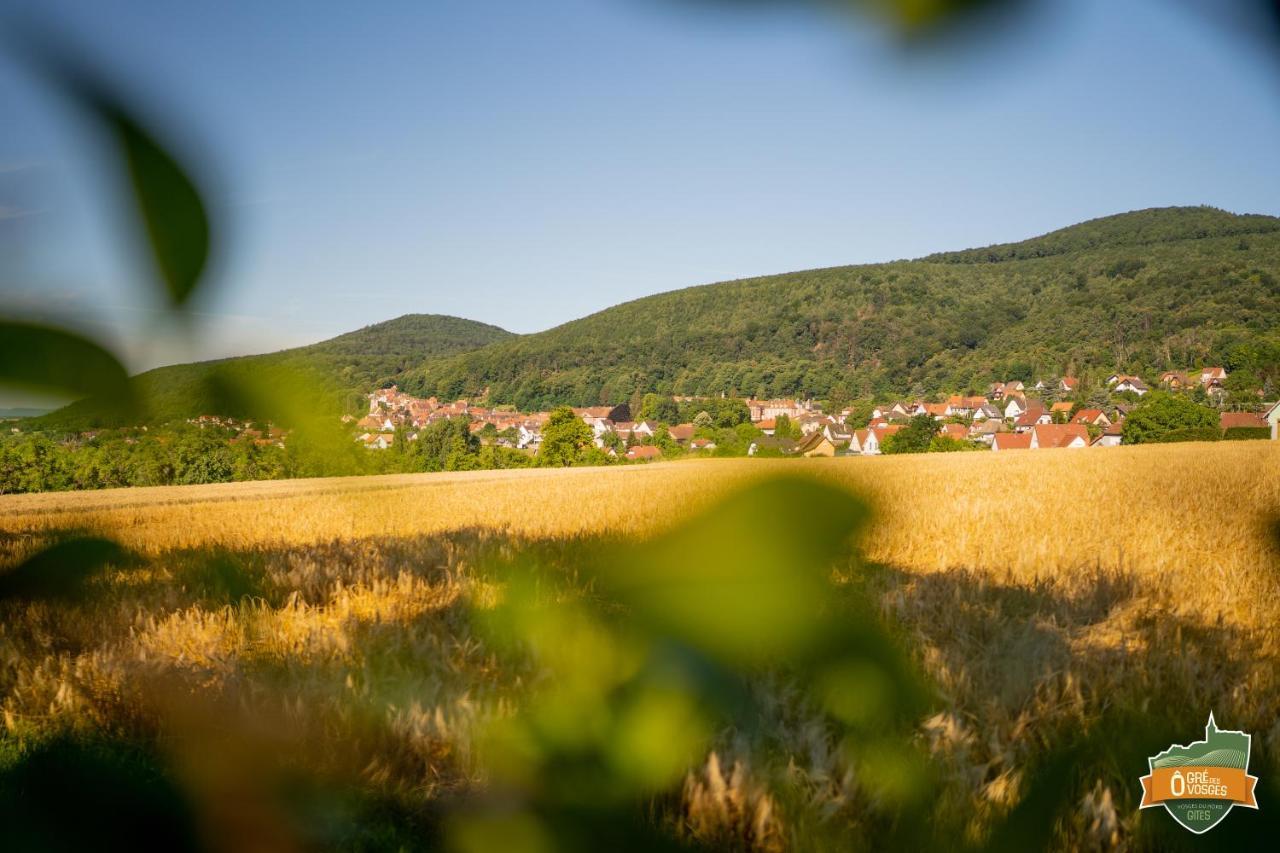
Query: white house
point(986, 412)
point(1213, 376)
point(869, 440)
point(527, 437)
point(1272, 417)
point(1015, 407)
point(1111, 436)
point(1132, 383)
point(837, 434)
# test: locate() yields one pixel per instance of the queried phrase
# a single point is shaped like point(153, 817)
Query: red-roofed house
point(1049, 436)
point(869, 440)
point(1011, 441)
point(961, 405)
point(681, 433)
point(1031, 417)
point(1247, 420)
point(1092, 416)
point(643, 452)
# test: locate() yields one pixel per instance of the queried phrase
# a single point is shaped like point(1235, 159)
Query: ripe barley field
point(324, 631)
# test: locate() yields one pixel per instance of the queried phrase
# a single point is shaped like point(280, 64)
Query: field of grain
point(1036, 591)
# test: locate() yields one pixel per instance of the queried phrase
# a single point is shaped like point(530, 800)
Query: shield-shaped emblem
point(1199, 783)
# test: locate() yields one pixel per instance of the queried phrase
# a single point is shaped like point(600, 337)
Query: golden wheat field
point(1036, 592)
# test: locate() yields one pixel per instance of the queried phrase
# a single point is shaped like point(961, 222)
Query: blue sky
point(528, 163)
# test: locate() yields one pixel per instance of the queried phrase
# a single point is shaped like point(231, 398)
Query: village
point(1010, 416)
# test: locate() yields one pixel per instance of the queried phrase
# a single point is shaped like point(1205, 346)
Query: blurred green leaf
point(748, 580)
point(909, 17)
point(41, 357)
point(61, 570)
point(169, 204)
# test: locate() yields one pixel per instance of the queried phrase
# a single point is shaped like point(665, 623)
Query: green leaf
point(747, 580)
point(45, 358)
point(168, 202)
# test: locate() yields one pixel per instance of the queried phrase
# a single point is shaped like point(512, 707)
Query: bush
point(1189, 434)
point(1163, 417)
point(1247, 434)
point(946, 444)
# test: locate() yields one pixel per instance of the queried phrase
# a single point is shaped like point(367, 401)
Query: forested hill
point(1141, 292)
point(340, 369)
point(1139, 228)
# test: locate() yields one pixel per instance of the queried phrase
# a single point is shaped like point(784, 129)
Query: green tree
point(564, 438)
point(658, 407)
point(400, 439)
point(1160, 414)
point(731, 411)
point(445, 445)
point(784, 427)
point(860, 414)
point(915, 437)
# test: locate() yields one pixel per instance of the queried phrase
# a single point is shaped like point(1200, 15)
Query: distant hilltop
point(1142, 292)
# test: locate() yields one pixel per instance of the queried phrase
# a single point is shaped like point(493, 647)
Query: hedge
point(1247, 434)
point(1190, 434)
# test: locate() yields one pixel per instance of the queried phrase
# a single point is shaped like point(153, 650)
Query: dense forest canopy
point(1140, 292)
point(1139, 228)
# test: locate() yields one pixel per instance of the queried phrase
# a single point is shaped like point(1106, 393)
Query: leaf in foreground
point(49, 359)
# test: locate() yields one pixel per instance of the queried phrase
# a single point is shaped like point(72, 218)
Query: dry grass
point(1036, 589)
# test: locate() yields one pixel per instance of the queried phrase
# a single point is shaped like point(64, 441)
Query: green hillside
point(338, 371)
point(1140, 292)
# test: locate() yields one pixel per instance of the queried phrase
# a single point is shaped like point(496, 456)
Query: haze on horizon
point(525, 165)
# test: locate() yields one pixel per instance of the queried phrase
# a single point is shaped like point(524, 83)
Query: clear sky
point(526, 163)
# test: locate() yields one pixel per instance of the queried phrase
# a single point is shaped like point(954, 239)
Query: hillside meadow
point(326, 636)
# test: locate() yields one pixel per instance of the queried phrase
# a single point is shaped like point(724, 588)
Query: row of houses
point(1007, 418)
point(390, 408)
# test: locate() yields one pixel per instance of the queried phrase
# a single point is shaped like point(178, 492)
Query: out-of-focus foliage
point(910, 18)
point(73, 794)
point(1142, 292)
point(168, 203)
point(641, 677)
point(49, 359)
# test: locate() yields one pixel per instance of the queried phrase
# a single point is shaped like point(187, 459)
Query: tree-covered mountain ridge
point(341, 369)
point(1141, 292)
point(1138, 228)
